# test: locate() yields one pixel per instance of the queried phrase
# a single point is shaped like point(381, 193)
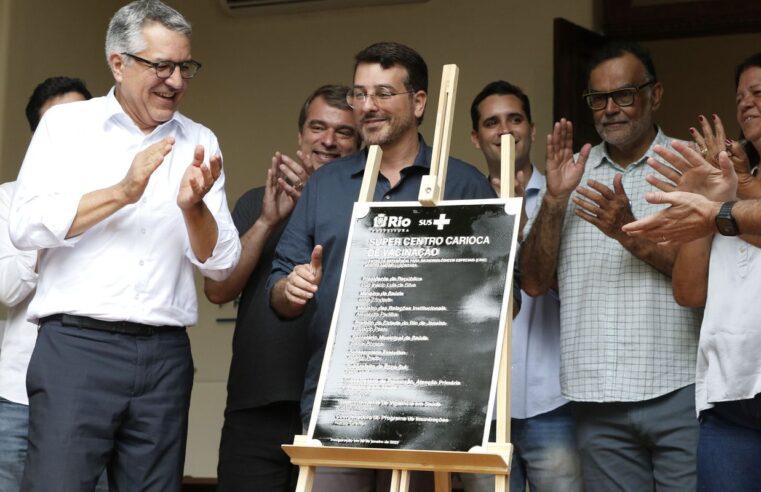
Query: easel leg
point(501, 483)
point(306, 479)
point(443, 481)
point(400, 480)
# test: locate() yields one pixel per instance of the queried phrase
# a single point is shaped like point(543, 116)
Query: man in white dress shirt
point(124, 195)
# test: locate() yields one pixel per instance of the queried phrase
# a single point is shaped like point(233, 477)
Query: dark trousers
point(100, 399)
point(729, 451)
point(250, 456)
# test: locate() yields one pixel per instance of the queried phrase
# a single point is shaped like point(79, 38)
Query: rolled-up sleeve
point(17, 276)
point(43, 209)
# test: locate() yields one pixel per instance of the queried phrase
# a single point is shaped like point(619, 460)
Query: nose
point(369, 100)
point(175, 80)
point(329, 138)
point(745, 101)
point(505, 129)
point(611, 106)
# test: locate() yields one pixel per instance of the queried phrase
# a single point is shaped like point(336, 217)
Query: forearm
point(96, 206)
point(747, 214)
point(280, 303)
point(539, 253)
point(749, 188)
point(689, 279)
point(202, 230)
point(659, 257)
point(253, 241)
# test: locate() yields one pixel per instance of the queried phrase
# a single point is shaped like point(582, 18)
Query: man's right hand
point(302, 283)
point(563, 172)
point(143, 165)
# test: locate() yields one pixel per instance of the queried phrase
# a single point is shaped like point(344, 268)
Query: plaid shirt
point(622, 335)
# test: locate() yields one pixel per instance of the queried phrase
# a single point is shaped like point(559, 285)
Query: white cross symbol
point(441, 221)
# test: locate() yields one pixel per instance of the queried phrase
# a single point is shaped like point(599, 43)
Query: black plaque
point(411, 361)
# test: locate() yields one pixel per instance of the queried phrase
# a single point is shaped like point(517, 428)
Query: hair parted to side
point(615, 49)
point(125, 30)
point(48, 89)
point(502, 88)
point(334, 95)
point(388, 54)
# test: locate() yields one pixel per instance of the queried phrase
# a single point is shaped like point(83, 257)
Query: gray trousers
point(639, 446)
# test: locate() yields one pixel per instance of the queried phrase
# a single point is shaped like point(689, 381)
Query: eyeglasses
point(357, 97)
point(165, 69)
point(622, 97)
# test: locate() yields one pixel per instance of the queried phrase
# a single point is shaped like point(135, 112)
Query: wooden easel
point(495, 458)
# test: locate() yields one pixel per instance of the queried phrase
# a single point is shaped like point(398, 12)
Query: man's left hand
point(606, 209)
point(198, 179)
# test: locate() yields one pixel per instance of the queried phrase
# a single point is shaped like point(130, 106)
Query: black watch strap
point(725, 222)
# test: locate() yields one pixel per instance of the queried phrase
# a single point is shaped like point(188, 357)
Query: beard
point(392, 128)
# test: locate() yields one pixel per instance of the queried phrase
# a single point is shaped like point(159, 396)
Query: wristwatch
point(725, 223)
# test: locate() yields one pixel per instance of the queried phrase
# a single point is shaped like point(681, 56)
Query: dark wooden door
point(574, 46)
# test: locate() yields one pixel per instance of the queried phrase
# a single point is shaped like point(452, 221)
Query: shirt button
point(387, 197)
point(144, 200)
point(141, 263)
point(142, 231)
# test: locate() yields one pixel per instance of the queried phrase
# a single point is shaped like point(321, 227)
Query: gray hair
point(125, 31)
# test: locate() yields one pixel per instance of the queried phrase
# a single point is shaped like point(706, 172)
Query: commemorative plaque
point(411, 361)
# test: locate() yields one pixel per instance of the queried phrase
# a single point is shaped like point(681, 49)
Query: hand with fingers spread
point(606, 209)
point(302, 283)
point(563, 172)
point(293, 174)
point(690, 216)
point(277, 203)
point(198, 179)
point(692, 173)
point(143, 165)
point(711, 141)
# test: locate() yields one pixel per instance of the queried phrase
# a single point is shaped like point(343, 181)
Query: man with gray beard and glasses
point(627, 349)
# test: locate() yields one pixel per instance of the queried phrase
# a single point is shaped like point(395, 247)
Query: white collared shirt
point(17, 282)
point(135, 265)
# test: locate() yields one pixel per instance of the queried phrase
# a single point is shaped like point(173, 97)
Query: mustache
point(373, 116)
point(606, 121)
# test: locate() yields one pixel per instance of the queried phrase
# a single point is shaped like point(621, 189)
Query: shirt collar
point(422, 159)
point(660, 139)
point(115, 112)
point(536, 181)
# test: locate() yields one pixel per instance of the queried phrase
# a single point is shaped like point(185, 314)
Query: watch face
point(726, 226)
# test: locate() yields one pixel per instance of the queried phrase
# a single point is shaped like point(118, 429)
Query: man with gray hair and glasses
point(124, 196)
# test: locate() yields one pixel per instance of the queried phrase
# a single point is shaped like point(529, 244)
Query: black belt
point(123, 327)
